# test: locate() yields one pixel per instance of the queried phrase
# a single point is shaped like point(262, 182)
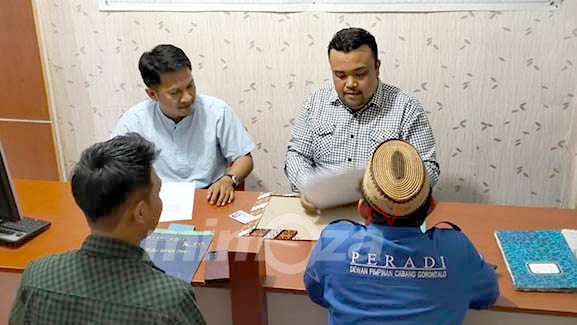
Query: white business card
point(243, 217)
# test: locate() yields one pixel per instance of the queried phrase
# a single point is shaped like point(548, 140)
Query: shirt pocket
point(323, 141)
point(380, 136)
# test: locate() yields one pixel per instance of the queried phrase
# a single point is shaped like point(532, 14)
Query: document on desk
point(177, 201)
point(178, 253)
point(570, 236)
point(288, 213)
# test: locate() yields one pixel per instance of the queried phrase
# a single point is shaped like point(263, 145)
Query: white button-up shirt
point(197, 148)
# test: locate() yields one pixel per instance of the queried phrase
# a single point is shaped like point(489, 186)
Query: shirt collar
point(105, 246)
point(392, 232)
point(377, 100)
point(167, 121)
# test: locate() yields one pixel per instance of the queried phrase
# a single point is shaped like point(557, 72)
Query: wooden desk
point(286, 260)
point(53, 201)
point(478, 222)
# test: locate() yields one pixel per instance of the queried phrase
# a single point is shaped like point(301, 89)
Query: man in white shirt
point(198, 136)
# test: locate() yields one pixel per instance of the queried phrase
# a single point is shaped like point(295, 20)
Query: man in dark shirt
point(110, 279)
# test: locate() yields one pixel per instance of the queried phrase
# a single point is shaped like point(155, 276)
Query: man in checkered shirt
point(110, 279)
point(340, 125)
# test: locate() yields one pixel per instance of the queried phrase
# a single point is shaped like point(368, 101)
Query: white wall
point(500, 86)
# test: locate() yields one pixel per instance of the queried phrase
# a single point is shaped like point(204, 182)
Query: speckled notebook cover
point(522, 249)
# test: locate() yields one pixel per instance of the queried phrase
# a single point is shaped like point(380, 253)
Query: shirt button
point(350, 159)
point(352, 136)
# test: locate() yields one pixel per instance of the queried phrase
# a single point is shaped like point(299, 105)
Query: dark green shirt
point(107, 281)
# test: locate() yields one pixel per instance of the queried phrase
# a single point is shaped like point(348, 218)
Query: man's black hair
point(350, 39)
point(161, 59)
point(109, 172)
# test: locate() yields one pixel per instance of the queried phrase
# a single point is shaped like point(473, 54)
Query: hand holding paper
point(328, 190)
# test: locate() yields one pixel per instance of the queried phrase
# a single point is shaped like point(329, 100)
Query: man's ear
point(378, 66)
point(139, 212)
point(365, 210)
point(151, 94)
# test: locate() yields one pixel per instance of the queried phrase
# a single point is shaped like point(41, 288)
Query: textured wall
point(499, 87)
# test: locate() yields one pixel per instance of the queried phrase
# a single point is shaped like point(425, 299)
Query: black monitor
point(9, 208)
point(15, 229)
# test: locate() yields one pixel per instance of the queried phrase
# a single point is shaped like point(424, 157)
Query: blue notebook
point(178, 253)
point(538, 260)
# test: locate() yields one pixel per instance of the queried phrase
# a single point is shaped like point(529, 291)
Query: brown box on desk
point(216, 267)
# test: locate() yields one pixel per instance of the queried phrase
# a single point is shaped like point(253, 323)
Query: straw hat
point(396, 181)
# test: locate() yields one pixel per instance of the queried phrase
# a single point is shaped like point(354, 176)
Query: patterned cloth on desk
point(107, 281)
point(329, 136)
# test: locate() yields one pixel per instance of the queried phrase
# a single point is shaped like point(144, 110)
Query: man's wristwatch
point(235, 180)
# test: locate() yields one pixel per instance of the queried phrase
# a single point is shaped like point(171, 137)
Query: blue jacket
point(397, 275)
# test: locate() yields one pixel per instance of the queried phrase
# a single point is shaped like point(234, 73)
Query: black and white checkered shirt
point(330, 136)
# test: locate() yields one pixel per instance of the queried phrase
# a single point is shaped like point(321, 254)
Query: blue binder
point(538, 260)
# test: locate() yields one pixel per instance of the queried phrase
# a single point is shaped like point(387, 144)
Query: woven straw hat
point(396, 181)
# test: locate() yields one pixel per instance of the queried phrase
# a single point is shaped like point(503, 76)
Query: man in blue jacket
point(388, 271)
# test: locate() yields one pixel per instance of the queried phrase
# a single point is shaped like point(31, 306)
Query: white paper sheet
point(571, 239)
point(177, 201)
point(330, 190)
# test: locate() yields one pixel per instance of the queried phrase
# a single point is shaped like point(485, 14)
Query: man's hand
point(309, 207)
point(221, 192)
